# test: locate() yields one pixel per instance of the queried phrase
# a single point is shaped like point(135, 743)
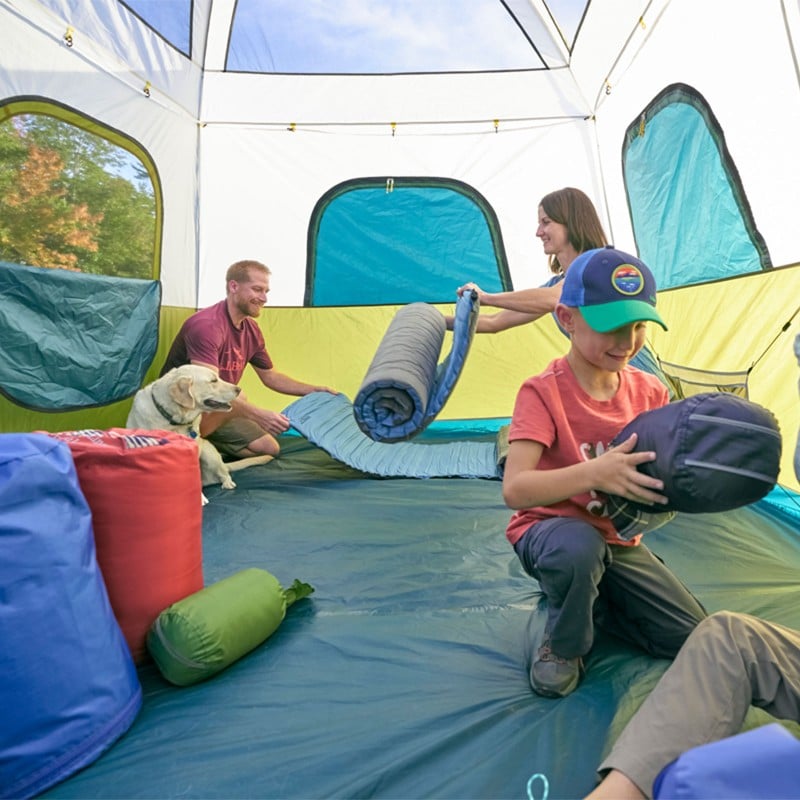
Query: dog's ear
point(181, 392)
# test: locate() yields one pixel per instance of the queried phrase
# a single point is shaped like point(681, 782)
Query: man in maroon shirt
point(226, 338)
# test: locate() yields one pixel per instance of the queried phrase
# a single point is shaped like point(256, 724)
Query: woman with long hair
point(568, 226)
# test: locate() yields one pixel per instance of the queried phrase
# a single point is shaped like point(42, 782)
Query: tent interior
point(403, 674)
point(376, 155)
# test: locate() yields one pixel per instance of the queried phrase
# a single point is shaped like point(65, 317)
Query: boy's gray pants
point(626, 590)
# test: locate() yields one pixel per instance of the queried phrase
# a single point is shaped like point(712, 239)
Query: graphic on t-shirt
point(232, 362)
point(597, 504)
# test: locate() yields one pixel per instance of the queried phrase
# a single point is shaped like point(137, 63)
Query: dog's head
point(200, 389)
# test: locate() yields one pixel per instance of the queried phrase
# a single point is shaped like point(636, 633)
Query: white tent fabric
point(243, 157)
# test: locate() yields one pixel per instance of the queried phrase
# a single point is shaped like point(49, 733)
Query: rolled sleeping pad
point(201, 635)
point(391, 402)
point(715, 451)
point(405, 387)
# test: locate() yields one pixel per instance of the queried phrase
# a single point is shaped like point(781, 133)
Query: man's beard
point(249, 309)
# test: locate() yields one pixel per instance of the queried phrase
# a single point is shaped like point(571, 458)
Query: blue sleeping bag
point(715, 452)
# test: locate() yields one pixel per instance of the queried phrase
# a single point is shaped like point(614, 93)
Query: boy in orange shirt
point(560, 468)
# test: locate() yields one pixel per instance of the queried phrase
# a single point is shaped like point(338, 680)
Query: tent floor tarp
point(402, 676)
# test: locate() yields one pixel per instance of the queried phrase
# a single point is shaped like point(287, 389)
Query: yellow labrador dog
point(175, 402)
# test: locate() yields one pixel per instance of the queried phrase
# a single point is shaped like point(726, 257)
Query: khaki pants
point(235, 435)
point(730, 662)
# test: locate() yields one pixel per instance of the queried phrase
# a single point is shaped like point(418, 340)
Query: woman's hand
point(482, 296)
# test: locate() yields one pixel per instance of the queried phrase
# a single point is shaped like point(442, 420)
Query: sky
point(352, 36)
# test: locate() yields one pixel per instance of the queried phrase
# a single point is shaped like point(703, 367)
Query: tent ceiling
point(392, 36)
point(448, 61)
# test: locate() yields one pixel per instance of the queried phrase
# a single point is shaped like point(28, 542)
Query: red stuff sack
point(144, 492)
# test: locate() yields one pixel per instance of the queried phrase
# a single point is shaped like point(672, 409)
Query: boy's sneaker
point(553, 676)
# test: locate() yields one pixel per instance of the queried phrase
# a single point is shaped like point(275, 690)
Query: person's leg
point(616, 786)
point(643, 602)
point(567, 557)
point(240, 438)
point(265, 445)
point(729, 662)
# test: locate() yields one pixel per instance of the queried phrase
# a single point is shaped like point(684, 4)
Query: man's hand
point(271, 421)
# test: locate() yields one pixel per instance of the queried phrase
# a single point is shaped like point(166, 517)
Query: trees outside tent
point(71, 199)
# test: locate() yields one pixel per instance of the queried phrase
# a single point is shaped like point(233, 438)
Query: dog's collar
point(163, 411)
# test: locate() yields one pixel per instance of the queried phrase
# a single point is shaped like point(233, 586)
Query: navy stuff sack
point(714, 451)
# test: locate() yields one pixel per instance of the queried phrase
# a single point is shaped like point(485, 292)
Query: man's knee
point(726, 626)
point(723, 636)
point(266, 445)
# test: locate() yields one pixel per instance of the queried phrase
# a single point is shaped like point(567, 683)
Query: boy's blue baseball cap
point(611, 289)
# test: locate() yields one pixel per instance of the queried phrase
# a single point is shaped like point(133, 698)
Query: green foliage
point(73, 200)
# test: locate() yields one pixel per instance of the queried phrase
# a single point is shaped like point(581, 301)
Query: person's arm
point(517, 308)
point(536, 301)
point(613, 472)
point(283, 384)
point(271, 421)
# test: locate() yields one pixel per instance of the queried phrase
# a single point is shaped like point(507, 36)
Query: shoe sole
point(552, 693)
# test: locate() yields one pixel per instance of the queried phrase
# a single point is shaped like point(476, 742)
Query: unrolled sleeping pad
point(327, 420)
point(402, 393)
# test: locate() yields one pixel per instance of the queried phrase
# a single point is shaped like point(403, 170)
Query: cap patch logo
point(627, 280)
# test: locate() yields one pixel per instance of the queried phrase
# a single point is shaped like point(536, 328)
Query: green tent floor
point(403, 675)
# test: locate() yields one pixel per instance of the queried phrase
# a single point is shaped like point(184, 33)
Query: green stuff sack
point(199, 636)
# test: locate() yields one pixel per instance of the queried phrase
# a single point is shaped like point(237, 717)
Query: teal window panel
point(691, 219)
point(378, 241)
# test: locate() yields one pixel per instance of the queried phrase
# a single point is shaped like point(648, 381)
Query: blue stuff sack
point(69, 687)
point(760, 763)
point(714, 452)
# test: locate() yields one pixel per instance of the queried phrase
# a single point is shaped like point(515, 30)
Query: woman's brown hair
point(571, 208)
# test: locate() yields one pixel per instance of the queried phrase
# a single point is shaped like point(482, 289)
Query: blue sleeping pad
point(405, 387)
